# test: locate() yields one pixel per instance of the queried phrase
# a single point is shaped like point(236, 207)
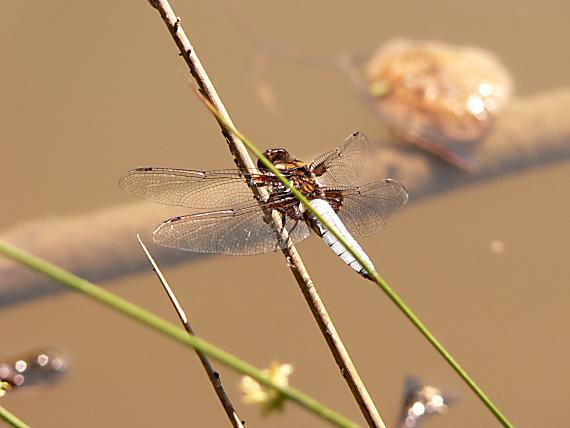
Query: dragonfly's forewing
point(237, 231)
point(187, 188)
point(343, 165)
point(364, 209)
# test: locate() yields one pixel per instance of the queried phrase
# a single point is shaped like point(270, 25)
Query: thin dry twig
point(213, 374)
point(246, 164)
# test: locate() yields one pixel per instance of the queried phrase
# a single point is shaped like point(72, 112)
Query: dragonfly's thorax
point(304, 180)
point(296, 171)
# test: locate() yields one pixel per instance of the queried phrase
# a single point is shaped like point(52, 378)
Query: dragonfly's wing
point(364, 209)
point(187, 188)
point(343, 165)
point(237, 231)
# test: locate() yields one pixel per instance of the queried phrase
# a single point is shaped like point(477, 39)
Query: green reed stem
point(11, 419)
point(440, 349)
point(373, 275)
point(170, 330)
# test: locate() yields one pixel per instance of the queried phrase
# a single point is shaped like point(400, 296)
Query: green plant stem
point(372, 274)
point(440, 349)
point(170, 330)
point(11, 419)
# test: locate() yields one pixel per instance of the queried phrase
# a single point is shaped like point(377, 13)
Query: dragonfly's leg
point(294, 227)
point(283, 220)
point(297, 216)
point(280, 242)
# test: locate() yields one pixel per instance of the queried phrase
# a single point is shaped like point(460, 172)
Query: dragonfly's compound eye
point(275, 156)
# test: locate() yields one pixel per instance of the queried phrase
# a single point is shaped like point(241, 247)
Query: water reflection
point(421, 401)
point(39, 367)
point(439, 97)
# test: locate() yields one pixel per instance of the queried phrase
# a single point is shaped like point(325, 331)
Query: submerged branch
point(101, 246)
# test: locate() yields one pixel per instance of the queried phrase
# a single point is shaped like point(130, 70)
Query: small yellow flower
point(4, 387)
point(255, 393)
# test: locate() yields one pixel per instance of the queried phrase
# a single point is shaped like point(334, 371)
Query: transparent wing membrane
point(237, 231)
point(343, 165)
point(187, 188)
point(365, 209)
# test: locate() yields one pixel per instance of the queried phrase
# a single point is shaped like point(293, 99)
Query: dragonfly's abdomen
point(325, 210)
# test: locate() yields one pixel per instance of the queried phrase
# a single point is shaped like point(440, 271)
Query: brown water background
point(92, 89)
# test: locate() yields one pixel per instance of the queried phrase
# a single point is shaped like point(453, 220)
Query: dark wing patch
point(343, 165)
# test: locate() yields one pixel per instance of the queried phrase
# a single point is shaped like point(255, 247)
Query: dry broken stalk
point(213, 375)
point(294, 261)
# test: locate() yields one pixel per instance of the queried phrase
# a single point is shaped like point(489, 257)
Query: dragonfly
point(235, 220)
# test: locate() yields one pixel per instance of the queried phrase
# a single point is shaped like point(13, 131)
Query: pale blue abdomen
point(326, 211)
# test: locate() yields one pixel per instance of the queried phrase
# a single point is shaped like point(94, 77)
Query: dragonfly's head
point(276, 157)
